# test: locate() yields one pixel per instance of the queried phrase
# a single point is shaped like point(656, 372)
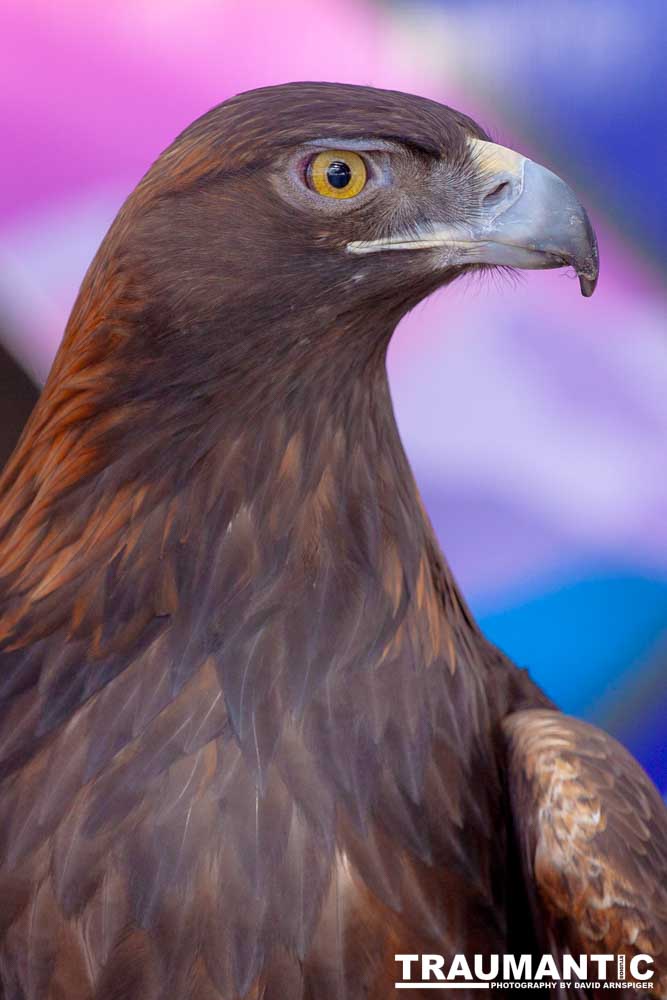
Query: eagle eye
point(336, 173)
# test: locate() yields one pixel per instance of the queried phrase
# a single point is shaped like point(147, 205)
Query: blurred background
point(536, 420)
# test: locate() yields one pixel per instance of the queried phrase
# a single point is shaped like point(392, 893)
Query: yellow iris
point(337, 173)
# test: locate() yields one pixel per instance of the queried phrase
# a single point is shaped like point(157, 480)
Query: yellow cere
point(337, 173)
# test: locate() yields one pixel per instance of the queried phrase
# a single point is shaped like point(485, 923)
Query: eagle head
point(294, 216)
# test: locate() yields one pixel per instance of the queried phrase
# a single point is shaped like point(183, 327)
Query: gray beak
point(525, 216)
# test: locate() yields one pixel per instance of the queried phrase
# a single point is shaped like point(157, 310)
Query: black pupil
point(339, 174)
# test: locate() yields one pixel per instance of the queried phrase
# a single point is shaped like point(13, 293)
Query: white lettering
point(517, 970)
point(602, 963)
point(494, 965)
point(571, 966)
point(432, 964)
point(406, 961)
point(459, 967)
point(547, 967)
point(634, 967)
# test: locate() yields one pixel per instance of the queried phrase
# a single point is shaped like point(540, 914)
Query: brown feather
point(594, 838)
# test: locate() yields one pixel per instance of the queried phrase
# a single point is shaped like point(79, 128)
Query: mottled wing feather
point(593, 835)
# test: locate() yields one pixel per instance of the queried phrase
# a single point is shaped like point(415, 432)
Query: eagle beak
point(524, 216)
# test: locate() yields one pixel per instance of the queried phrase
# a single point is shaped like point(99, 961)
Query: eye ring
point(337, 173)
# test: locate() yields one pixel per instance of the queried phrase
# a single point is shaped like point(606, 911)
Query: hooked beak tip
point(589, 269)
point(587, 285)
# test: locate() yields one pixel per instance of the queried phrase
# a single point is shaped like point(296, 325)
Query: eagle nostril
point(500, 193)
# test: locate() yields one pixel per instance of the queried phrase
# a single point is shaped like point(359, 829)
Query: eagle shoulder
point(592, 833)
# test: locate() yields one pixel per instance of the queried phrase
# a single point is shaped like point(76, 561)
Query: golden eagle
point(252, 742)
